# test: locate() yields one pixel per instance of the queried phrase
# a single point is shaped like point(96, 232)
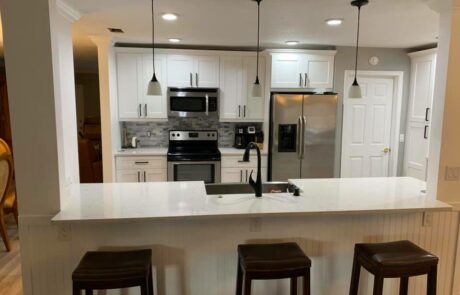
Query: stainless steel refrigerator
point(302, 141)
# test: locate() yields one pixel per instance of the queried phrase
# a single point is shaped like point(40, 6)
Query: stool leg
point(239, 280)
point(247, 285)
point(88, 292)
point(306, 283)
point(354, 283)
point(432, 277)
point(144, 288)
point(75, 289)
point(378, 285)
point(294, 286)
point(150, 282)
point(403, 285)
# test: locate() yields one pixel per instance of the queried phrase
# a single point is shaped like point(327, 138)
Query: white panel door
point(181, 69)
point(416, 150)
point(128, 87)
point(231, 87)
point(287, 70)
point(154, 107)
point(206, 71)
point(318, 71)
point(254, 105)
point(367, 129)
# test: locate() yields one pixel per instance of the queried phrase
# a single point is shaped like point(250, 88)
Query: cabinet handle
point(241, 175)
point(246, 175)
point(145, 109)
point(300, 80)
point(244, 111)
point(140, 110)
point(426, 114)
point(138, 176)
point(191, 80)
point(196, 79)
point(425, 132)
point(141, 162)
point(239, 111)
point(306, 78)
point(145, 178)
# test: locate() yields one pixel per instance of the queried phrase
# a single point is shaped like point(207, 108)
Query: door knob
point(386, 150)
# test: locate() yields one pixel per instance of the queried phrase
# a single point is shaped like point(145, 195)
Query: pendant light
point(257, 88)
point(355, 89)
point(154, 87)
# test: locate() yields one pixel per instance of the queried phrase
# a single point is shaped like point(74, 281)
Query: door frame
point(398, 79)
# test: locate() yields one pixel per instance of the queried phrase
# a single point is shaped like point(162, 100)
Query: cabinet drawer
point(141, 175)
point(235, 162)
point(134, 162)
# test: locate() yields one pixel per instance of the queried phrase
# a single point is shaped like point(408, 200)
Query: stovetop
point(193, 145)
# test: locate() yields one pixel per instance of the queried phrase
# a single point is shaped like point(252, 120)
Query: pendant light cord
point(153, 40)
point(357, 42)
point(258, 37)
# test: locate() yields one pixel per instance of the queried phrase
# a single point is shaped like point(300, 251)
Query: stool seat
point(272, 257)
point(397, 254)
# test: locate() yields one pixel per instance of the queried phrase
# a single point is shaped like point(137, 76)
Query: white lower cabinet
point(235, 171)
point(141, 169)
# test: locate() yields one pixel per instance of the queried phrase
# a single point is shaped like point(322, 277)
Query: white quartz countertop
point(181, 200)
point(163, 151)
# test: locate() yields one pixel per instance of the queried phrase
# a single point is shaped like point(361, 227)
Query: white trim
point(67, 11)
point(398, 77)
point(302, 51)
point(423, 52)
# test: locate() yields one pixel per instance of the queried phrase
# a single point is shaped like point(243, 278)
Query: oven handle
point(207, 104)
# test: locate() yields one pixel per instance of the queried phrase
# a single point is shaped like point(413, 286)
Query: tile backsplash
point(159, 130)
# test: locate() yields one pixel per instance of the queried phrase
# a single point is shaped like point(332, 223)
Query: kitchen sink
point(245, 188)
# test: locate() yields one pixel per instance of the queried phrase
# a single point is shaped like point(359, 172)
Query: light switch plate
point(452, 173)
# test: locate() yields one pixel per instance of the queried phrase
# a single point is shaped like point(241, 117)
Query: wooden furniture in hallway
point(272, 261)
point(103, 270)
point(11, 201)
point(400, 259)
point(6, 175)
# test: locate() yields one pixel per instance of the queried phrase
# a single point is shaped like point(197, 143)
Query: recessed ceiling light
point(292, 43)
point(174, 40)
point(115, 30)
point(169, 16)
point(334, 21)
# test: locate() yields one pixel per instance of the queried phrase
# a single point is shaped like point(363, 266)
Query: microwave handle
point(191, 80)
point(207, 105)
point(196, 79)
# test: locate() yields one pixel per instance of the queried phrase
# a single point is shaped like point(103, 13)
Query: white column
point(39, 69)
point(110, 127)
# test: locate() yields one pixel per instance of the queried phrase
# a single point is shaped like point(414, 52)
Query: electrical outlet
point(452, 173)
point(65, 232)
point(427, 219)
point(255, 225)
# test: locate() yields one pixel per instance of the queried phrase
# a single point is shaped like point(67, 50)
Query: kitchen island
point(194, 236)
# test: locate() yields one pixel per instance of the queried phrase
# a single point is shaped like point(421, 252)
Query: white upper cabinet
point(301, 70)
point(237, 76)
point(134, 72)
point(193, 71)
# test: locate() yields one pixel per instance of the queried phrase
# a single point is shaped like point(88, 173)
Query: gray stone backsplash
point(159, 130)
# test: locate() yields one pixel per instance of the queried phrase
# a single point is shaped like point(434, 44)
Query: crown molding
point(67, 11)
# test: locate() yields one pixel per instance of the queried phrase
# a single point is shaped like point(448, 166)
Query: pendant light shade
point(154, 87)
point(257, 88)
point(355, 89)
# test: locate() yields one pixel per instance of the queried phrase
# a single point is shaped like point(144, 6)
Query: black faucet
point(256, 185)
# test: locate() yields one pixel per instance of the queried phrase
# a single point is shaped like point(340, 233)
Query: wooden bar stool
point(272, 261)
point(101, 270)
point(400, 259)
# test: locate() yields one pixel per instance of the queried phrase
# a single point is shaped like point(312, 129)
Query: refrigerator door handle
point(304, 127)
point(300, 138)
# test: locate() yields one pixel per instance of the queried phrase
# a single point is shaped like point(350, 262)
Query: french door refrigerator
point(302, 141)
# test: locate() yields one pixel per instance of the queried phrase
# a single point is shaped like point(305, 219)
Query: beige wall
point(450, 144)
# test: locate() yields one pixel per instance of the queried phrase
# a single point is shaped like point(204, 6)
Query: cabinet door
point(318, 71)
point(155, 175)
point(254, 174)
point(129, 176)
point(153, 107)
point(231, 87)
point(206, 71)
point(286, 70)
point(416, 150)
point(232, 175)
point(128, 87)
point(253, 107)
point(180, 70)
point(422, 87)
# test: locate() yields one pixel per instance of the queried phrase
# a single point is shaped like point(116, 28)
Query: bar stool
point(102, 270)
point(400, 259)
point(272, 261)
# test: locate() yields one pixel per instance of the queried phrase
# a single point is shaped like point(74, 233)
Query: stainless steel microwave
point(193, 102)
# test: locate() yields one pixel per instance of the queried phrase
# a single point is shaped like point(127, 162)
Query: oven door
point(209, 172)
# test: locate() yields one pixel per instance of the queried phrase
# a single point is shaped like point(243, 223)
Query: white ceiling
point(385, 23)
